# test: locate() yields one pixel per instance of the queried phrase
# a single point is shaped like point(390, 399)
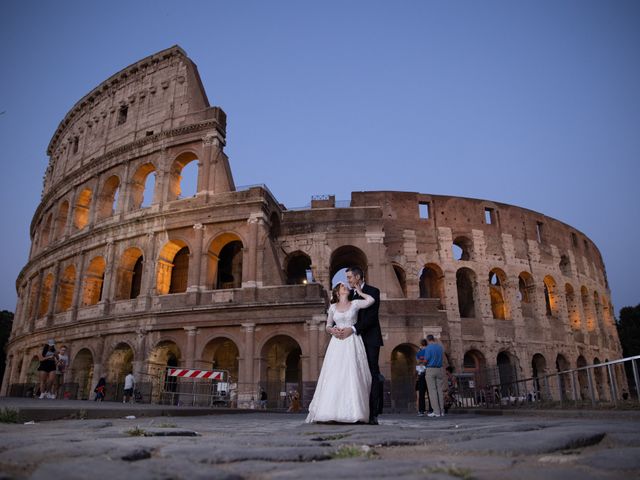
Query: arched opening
point(183, 177)
point(465, 282)
point(507, 375)
point(224, 262)
point(345, 257)
point(475, 364)
point(82, 373)
point(432, 283)
point(107, 200)
point(565, 265)
point(297, 265)
point(93, 281)
point(403, 373)
point(165, 354)
point(65, 289)
point(281, 370)
point(601, 378)
point(173, 268)
point(222, 353)
point(401, 276)
point(61, 219)
point(45, 235)
point(539, 369)
point(82, 209)
point(497, 282)
point(573, 309)
point(119, 364)
point(583, 381)
point(526, 294)
point(563, 365)
point(586, 307)
point(462, 248)
point(129, 274)
point(550, 296)
point(142, 188)
point(45, 295)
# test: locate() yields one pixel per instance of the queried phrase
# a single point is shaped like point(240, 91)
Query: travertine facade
point(128, 273)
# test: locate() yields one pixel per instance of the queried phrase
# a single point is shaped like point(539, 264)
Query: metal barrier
point(592, 386)
point(205, 388)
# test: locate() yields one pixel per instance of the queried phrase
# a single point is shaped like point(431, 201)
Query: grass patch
point(354, 451)
point(136, 432)
point(9, 415)
point(463, 473)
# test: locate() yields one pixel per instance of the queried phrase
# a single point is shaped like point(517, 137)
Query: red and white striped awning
point(183, 372)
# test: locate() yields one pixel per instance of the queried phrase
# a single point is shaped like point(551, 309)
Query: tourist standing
point(129, 385)
point(434, 375)
point(47, 369)
point(421, 381)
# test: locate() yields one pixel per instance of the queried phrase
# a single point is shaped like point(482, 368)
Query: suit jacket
point(368, 324)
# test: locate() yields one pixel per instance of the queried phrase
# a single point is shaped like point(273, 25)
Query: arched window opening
point(94, 281)
point(550, 296)
point(583, 381)
point(223, 354)
point(402, 279)
point(298, 264)
point(347, 256)
point(82, 373)
point(403, 367)
point(432, 283)
point(180, 271)
point(462, 248)
point(119, 364)
point(474, 363)
point(508, 375)
point(281, 370)
point(45, 295)
point(82, 209)
point(142, 187)
point(526, 294)
point(65, 289)
point(230, 266)
point(573, 311)
point(108, 198)
point(497, 279)
point(465, 281)
point(183, 177)
point(563, 365)
point(129, 274)
point(565, 265)
point(174, 257)
point(61, 219)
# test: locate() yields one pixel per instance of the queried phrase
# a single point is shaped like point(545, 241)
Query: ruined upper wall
point(160, 92)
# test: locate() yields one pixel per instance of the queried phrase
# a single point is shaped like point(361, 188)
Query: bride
point(342, 392)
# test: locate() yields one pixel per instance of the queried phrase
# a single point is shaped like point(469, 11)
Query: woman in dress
point(342, 392)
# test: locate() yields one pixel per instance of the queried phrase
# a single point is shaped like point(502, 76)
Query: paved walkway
point(266, 445)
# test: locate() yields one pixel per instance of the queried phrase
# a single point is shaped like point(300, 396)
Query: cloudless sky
point(531, 103)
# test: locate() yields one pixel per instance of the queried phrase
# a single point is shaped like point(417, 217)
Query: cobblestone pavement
point(265, 445)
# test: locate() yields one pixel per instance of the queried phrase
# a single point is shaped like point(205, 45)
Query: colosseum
point(133, 274)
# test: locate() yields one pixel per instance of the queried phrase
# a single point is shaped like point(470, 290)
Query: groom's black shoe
point(373, 421)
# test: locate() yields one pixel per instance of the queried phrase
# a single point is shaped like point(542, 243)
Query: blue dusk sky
point(531, 103)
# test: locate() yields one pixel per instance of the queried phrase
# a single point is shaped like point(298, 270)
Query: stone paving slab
point(263, 445)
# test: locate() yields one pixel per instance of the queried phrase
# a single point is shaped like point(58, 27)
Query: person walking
point(129, 385)
point(434, 375)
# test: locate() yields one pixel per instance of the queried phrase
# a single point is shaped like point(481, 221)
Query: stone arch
point(587, 308)
point(601, 378)
point(465, 285)
point(573, 309)
point(108, 197)
point(431, 279)
point(175, 186)
point(347, 256)
point(462, 248)
point(66, 288)
point(497, 284)
point(82, 373)
point(82, 209)
point(475, 363)
point(141, 192)
point(539, 370)
point(565, 265)
point(119, 363)
point(46, 233)
point(526, 294)
point(173, 268)
point(403, 373)
point(32, 370)
point(45, 295)
point(507, 373)
point(583, 381)
point(296, 265)
point(94, 281)
point(224, 261)
point(550, 296)
point(61, 218)
point(222, 352)
point(401, 276)
point(562, 364)
point(129, 274)
point(165, 353)
point(281, 368)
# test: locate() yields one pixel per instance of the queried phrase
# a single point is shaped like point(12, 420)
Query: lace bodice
point(349, 317)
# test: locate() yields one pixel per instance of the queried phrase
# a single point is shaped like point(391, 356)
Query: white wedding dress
point(342, 392)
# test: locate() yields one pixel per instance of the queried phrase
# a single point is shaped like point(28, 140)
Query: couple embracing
point(350, 386)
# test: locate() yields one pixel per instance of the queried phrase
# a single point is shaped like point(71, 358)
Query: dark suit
point(368, 327)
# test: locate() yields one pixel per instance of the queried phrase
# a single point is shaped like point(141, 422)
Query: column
point(77, 288)
point(250, 253)
point(6, 381)
point(196, 259)
point(191, 346)
point(110, 269)
point(246, 385)
point(314, 325)
point(124, 193)
point(53, 299)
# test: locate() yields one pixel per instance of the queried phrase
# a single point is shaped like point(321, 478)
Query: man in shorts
point(129, 385)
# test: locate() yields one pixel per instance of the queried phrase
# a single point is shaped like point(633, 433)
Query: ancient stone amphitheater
point(130, 273)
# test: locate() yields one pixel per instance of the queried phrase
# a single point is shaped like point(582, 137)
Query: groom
point(368, 327)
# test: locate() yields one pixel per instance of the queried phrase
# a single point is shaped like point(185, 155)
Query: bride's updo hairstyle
point(335, 293)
